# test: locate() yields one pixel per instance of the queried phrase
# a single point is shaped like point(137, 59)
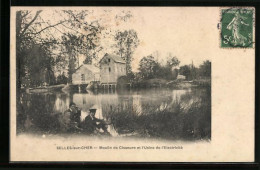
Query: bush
point(62, 79)
point(180, 120)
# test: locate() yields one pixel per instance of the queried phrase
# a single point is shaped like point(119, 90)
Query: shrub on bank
point(190, 119)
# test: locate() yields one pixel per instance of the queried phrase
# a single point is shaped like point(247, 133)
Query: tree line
point(150, 68)
point(48, 52)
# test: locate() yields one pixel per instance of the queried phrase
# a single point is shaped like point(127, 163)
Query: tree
point(175, 73)
point(186, 71)
point(38, 66)
point(148, 67)
point(74, 36)
point(126, 43)
point(172, 61)
point(78, 42)
point(171, 70)
point(29, 29)
point(62, 79)
point(205, 69)
point(70, 42)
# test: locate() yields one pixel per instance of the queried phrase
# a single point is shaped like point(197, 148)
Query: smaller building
point(85, 74)
point(181, 77)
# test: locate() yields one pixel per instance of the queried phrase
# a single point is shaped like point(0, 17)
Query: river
point(157, 113)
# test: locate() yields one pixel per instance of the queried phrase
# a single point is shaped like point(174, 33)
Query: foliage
point(80, 42)
point(62, 79)
point(40, 53)
point(74, 36)
point(126, 42)
point(205, 69)
point(172, 61)
point(189, 118)
point(38, 66)
point(150, 68)
point(192, 73)
point(34, 62)
point(186, 71)
point(122, 82)
point(65, 39)
point(71, 43)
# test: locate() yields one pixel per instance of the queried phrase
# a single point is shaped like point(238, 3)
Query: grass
point(186, 119)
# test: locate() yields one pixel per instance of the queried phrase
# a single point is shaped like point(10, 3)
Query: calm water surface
point(37, 112)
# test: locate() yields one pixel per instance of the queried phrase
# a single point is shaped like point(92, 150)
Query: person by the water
point(92, 125)
point(71, 118)
point(75, 113)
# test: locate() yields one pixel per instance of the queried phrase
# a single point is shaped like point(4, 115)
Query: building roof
point(116, 59)
point(90, 67)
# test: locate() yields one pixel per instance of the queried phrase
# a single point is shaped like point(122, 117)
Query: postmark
point(237, 28)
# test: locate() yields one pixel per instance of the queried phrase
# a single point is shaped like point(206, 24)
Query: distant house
point(85, 74)
point(111, 68)
point(181, 77)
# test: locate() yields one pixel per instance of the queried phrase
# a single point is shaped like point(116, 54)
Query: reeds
point(189, 118)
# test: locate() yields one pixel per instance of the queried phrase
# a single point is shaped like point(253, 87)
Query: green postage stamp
point(237, 27)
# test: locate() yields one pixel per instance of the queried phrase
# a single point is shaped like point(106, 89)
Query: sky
point(190, 34)
point(183, 32)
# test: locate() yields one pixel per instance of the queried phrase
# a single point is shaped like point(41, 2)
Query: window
point(109, 60)
point(82, 77)
point(109, 69)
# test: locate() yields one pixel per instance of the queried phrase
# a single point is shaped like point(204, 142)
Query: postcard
point(132, 84)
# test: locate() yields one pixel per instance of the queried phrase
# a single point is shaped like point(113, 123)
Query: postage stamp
point(237, 27)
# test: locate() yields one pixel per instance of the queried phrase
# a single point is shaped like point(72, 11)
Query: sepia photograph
point(94, 77)
point(75, 75)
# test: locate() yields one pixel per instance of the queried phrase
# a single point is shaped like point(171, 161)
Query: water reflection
point(35, 109)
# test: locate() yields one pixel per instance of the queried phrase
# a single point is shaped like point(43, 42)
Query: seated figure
point(70, 120)
point(92, 125)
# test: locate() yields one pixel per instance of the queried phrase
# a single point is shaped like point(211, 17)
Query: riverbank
point(186, 118)
point(150, 83)
point(45, 89)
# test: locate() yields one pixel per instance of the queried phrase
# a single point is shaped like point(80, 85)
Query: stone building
point(86, 74)
point(111, 68)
